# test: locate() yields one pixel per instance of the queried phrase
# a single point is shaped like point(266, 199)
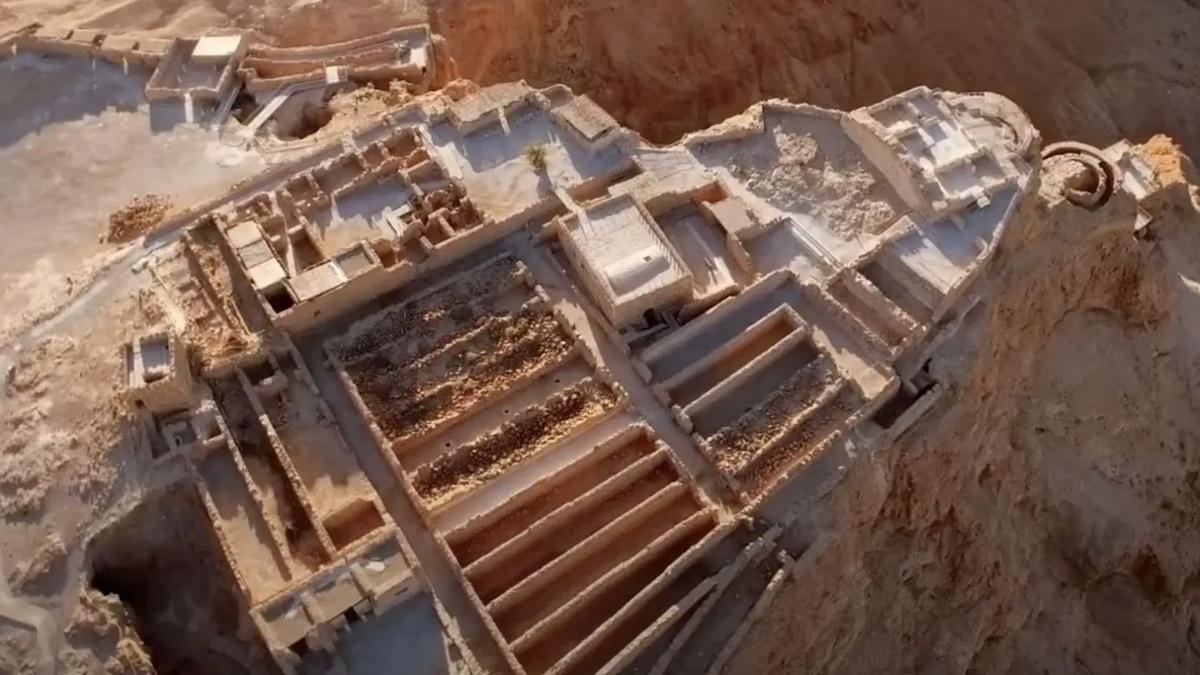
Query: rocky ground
point(1044, 522)
point(1091, 70)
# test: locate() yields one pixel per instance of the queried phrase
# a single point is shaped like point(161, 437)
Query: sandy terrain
point(77, 144)
point(287, 22)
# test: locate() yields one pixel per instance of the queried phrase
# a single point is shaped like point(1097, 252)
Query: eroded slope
point(1044, 522)
point(1094, 71)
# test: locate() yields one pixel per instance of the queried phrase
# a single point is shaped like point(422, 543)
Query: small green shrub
point(536, 155)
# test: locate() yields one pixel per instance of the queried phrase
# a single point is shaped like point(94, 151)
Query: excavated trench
point(1087, 70)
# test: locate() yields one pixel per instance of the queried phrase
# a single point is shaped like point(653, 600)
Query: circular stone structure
point(1084, 175)
point(1018, 129)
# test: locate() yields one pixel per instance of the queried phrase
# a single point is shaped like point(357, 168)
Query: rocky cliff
point(1093, 70)
point(1045, 522)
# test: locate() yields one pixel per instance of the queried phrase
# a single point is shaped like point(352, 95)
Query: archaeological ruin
point(490, 372)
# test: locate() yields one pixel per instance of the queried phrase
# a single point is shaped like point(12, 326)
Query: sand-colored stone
point(477, 380)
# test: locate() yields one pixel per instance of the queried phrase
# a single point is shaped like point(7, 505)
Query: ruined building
point(498, 352)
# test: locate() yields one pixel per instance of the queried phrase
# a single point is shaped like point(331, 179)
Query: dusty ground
point(78, 144)
point(82, 510)
point(286, 22)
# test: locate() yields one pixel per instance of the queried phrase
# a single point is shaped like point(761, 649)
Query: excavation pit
point(281, 502)
point(162, 562)
point(567, 553)
point(721, 364)
point(771, 370)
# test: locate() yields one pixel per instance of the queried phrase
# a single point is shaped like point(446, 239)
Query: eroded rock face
point(1045, 522)
point(1086, 70)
